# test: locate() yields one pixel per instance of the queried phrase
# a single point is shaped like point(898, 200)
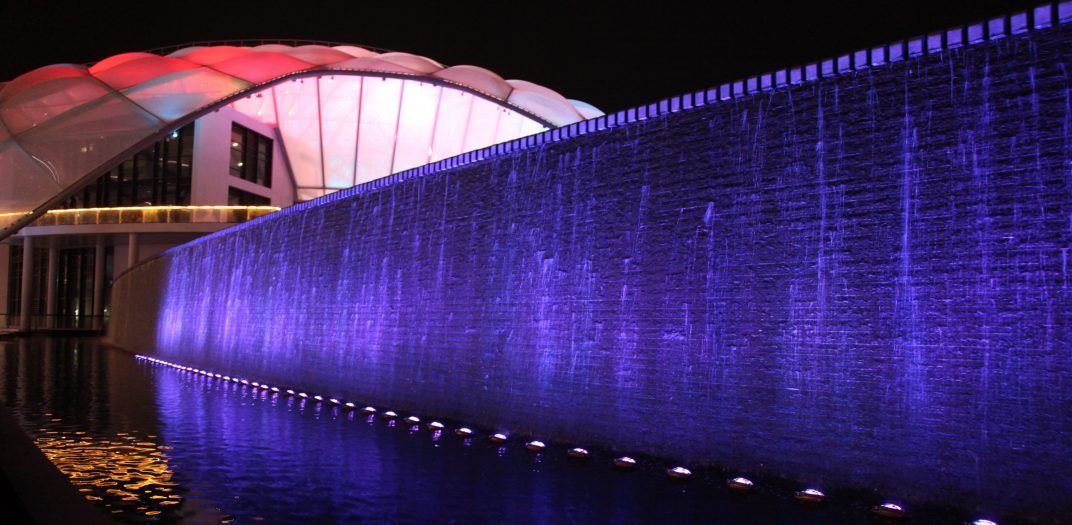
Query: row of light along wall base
point(810, 495)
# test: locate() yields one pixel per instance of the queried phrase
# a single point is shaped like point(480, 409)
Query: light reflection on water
point(91, 414)
point(127, 474)
point(149, 443)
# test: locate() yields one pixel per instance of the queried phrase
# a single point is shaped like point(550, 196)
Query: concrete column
point(132, 250)
point(98, 281)
point(27, 283)
point(50, 285)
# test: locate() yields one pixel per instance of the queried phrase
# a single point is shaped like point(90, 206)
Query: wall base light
point(535, 446)
point(741, 483)
point(679, 473)
point(890, 510)
point(811, 495)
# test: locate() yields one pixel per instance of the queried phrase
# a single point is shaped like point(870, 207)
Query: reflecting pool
point(147, 442)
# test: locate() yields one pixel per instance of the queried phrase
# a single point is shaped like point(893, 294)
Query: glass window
point(237, 197)
point(14, 283)
point(39, 276)
point(156, 176)
point(251, 156)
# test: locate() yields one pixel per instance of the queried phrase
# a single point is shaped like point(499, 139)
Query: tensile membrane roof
point(345, 114)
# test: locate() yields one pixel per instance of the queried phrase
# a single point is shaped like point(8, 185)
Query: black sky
point(613, 55)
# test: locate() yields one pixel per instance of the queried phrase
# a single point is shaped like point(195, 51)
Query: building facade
point(105, 165)
point(222, 169)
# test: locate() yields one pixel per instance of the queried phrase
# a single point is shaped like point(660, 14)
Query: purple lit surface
point(227, 449)
point(856, 281)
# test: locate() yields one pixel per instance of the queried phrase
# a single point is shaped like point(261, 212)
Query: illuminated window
point(159, 175)
point(251, 156)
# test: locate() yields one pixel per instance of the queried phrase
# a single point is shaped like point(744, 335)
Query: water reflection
point(150, 443)
point(127, 474)
point(93, 415)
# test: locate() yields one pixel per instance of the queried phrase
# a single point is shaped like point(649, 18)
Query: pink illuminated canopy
point(344, 114)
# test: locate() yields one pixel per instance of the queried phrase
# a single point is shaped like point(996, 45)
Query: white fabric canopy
point(346, 115)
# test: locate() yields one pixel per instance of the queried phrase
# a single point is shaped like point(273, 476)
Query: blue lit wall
point(859, 280)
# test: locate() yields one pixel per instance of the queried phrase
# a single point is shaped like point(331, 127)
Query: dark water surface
point(147, 442)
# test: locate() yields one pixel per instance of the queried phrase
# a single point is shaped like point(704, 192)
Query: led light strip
point(153, 208)
point(142, 208)
point(809, 495)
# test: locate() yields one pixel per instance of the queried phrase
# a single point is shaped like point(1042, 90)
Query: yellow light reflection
point(126, 474)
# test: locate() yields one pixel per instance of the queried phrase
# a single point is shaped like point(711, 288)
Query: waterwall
point(853, 273)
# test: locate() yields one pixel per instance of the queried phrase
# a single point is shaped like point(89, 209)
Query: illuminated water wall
point(857, 279)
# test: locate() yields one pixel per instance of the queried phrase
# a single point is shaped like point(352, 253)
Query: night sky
point(613, 55)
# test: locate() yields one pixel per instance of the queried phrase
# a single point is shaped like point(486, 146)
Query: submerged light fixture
point(435, 425)
point(741, 483)
point(498, 438)
point(535, 446)
point(625, 463)
point(984, 522)
point(464, 432)
point(368, 411)
point(679, 473)
point(890, 509)
point(413, 420)
point(390, 414)
point(577, 453)
point(811, 495)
